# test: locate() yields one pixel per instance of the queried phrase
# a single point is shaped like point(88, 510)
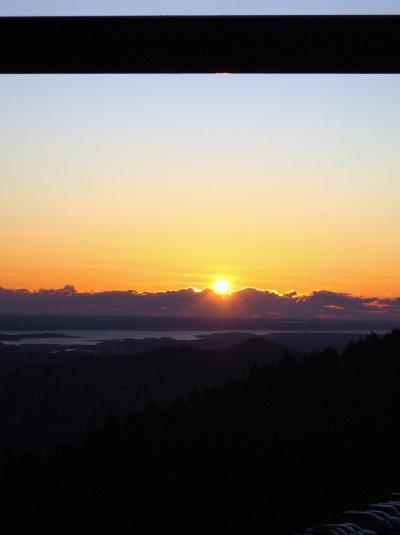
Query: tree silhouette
point(286, 447)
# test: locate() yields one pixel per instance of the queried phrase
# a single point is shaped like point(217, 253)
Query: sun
point(221, 287)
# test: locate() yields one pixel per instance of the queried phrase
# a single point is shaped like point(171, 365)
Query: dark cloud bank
point(245, 303)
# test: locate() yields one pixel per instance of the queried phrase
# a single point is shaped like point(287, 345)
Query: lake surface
point(91, 337)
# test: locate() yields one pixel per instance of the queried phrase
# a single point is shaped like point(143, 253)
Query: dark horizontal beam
point(240, 44)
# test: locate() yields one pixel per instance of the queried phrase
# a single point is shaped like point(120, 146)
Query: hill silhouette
point(46, 403)
point(286, 447)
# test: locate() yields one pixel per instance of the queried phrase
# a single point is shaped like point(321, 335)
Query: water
point(91, 337)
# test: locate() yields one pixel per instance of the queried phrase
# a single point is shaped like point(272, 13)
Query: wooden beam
point(203, 44)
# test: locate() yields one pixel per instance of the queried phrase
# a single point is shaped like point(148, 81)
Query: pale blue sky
point(195, 7)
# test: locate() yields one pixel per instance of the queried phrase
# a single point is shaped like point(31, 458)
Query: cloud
point(245, 303)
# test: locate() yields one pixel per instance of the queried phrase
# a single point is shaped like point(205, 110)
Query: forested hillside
point(284, 448)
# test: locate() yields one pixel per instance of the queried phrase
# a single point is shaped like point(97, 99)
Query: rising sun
point(222, 287)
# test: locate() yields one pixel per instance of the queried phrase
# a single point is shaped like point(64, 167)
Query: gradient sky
point(195, 7)
point(155, 182)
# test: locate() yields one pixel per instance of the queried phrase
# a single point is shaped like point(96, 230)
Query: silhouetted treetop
point(283, 448)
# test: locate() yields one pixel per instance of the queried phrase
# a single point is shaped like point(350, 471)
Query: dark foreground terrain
point(286, 447)
point(48, 394)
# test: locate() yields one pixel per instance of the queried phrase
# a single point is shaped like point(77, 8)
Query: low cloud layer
point(245, 303)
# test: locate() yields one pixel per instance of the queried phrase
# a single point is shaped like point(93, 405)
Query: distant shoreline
point(5, 337)
point(24, 323)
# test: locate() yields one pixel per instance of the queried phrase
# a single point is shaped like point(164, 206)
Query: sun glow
point(222, 287)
